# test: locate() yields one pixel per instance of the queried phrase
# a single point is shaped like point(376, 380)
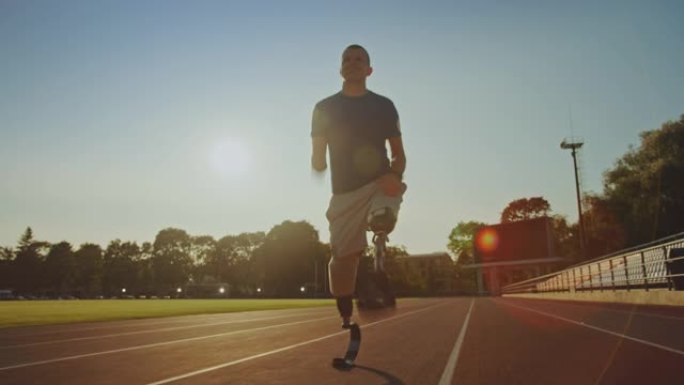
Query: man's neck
point(354, 88)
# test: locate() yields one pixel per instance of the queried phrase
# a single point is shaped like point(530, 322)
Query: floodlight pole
point(573, 146)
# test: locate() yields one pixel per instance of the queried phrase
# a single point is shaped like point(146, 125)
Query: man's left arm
point(398, 157)
point(391, 183)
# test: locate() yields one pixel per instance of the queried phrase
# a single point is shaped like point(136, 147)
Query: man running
point(354, 125)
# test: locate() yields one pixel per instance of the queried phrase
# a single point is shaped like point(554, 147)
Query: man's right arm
point(319, 147)
point(319, 141)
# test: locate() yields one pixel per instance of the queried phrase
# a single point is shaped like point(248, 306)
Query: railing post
point(624, 259)
point(591, 279)
point(600, 275)
point(643, 270)
point(574, 280)
point(668, 279)
point(612, 275)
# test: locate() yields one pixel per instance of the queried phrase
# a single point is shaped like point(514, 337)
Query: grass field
point(24, 313)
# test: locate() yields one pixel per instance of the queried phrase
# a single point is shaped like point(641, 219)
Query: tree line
point(277, 263)
point(287, 261)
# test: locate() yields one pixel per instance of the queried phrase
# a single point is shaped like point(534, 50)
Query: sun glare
point(487, 240)
point(230, 157)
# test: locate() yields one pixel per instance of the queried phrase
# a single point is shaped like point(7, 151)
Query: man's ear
point(370, 71)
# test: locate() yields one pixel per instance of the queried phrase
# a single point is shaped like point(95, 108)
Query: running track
point(436, 341)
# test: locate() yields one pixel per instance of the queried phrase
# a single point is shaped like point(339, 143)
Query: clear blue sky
point(121, 118)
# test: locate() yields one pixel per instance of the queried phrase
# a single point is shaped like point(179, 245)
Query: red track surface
point(422, 342)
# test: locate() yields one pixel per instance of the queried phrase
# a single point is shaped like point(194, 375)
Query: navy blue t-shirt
point(356, 129)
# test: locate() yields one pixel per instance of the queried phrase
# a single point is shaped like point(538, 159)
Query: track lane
point(397, 349)
point(175, 328)
point(635, 322)
point(508, 341)
point(36, 334)
point(144, 365)
point(512, 345)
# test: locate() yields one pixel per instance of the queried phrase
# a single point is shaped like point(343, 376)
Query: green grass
point(24, 313)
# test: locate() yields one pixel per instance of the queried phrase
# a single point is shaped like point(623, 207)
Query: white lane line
point(68, 358)
point(578, 323)
point(285, 348)
point(448, 372)
point(106, 324)
point(593, 305)
point(147, 331)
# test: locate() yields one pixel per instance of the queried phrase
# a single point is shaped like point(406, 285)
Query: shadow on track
point(390, 378)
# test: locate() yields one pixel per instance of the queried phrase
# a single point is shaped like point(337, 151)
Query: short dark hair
point(357, 46)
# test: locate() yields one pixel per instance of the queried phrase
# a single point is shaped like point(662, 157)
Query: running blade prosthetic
point(347, 363)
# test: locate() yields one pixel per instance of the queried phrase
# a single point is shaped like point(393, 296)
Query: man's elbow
point(318, 165)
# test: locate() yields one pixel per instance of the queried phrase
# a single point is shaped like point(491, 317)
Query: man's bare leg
point(342, 274)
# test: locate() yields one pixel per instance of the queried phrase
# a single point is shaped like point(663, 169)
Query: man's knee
point(342, 274)
point(382, 220)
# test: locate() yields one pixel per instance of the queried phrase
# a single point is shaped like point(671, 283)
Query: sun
point(230, 157)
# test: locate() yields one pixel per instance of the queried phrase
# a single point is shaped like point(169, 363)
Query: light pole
point(574, 145)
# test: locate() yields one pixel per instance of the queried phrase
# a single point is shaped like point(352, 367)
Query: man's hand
point(391, 185)
point(318, 165)
point(318, 175)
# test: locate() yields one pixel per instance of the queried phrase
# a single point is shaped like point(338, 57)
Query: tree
point(29, 277)
point(461, 240)
point(219, 262)
point(566, 239)
point(172, 262)
point(231, 261)
point(89, 263)
point(201, 249)
point(604, 234)
point(644, 188)
point(243, 274)
point(525, 208)
point(6, 254)
point(403, 279)
point(60, 269)
point(121, 268)
point(6, 270)
point(461, 245)
point(288, 257)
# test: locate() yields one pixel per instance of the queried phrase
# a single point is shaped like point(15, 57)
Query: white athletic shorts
point(347, 216)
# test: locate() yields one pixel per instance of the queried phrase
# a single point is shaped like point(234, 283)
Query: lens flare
point(487, 240)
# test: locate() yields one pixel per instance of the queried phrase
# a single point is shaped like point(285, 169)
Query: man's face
point(355, 65)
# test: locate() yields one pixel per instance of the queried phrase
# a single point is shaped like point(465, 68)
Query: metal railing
point(644, 267)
